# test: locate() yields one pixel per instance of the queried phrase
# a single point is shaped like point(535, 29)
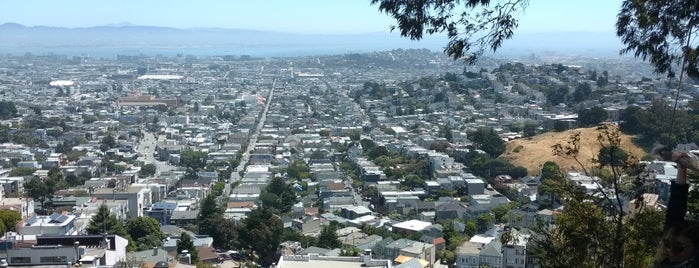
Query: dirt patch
point(533, 152)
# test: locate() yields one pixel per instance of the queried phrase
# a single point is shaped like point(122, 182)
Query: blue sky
point(298, 16)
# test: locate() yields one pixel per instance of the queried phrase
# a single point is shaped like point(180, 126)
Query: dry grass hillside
point(537, 150)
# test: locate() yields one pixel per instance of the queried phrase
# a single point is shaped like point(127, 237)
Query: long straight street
point(235, 176)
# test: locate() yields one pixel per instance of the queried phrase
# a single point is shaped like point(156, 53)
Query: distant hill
point(126, 38)
point(535, 151)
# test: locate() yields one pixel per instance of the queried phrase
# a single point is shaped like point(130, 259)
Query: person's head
point(679, 244)
point(663, 151)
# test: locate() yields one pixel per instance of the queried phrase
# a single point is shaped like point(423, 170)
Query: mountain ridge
point(18, 38)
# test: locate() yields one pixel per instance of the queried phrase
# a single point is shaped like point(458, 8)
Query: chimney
point(155, 251)
point(366, 257)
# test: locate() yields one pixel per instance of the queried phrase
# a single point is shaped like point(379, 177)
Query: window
point(53, 259)
point(14, 260)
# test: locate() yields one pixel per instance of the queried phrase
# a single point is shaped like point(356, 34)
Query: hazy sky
point(298, 16)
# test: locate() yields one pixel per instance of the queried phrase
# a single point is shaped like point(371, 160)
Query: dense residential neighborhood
point(385, 159)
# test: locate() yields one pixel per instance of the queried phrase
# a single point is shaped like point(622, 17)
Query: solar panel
point(62, 218)
point(55, 215)
point(31, 220)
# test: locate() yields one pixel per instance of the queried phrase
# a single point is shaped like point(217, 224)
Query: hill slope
point(537, 150)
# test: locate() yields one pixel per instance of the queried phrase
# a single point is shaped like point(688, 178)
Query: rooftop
point(413, 225)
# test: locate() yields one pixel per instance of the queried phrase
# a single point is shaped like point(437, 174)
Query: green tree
point(596, 225)
point(39, 191)
point(471, 228)
point(367, 144)
point(4, 135)
point(592, 116)
point(602, 81)
point(631, 119)
point(9, 220)
point(18, 172)
point(440, 146)
point(377, 151)
point(105, 222)
point(209, 208)
point(185, 243)
point(660, 32)
point(89, 119)
point(484, 222)
point(582, 92)
point(223, 231)
point(372, 193)
point(279, 195)
point(445, 132)
point(317, 154)
point(195, 160)
point(518, 172)
point(145, 231)
point(447, 256)
point(107, 142)
point(148, 170)
point(449, 77)
point(412, 181)
point(73, 180)
point(664, 33)
point(451, 235)
point(472, 26)
point(500, 213)
point(488, 140)
point(551, 170)
point(261, 231)
point(529, 128)
point(217, 188)
point(555, 96)
point(8, 110)
point(298, 170)
point(328, 236)
point(612, 156)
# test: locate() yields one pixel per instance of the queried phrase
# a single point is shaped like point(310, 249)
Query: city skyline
point(304, 17)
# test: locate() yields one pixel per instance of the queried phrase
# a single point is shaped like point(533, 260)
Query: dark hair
point(663, 151)
point(686, 229)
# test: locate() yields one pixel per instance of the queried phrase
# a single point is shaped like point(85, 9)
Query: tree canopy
point(42, 190)
point(209, 208)
point(261, 231)
point(472, 26)
point(597, 224)
point(193, 159)
point(592, 116)
point(328, 236)
point(298, 169)
point(105, 222)
point(9, 220)
point(662, 32)
point(145, 232)
point(148, 170)
point(8, 109)
point(653, 124)
point(278, 195)
point(488, 141)
point(185, 243)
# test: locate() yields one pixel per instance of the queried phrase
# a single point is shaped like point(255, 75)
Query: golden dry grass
point(537, 150)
